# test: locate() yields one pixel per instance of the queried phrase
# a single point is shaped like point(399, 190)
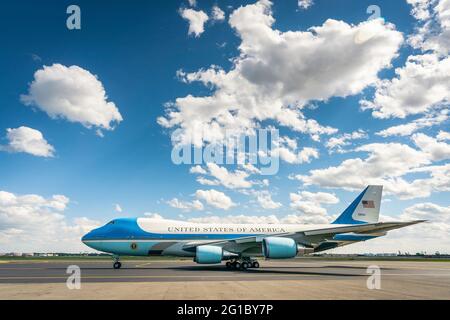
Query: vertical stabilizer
point(364, 209)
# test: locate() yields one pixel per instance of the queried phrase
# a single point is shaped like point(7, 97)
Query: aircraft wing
point(320, 239)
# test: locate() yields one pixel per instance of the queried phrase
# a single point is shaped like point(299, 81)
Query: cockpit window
point(111, 222)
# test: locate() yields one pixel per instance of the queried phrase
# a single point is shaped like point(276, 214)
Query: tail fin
point(364, 209)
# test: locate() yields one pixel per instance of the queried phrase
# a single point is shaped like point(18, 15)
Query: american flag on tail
point(368, 204)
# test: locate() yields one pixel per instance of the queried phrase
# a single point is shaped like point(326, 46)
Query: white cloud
point(215, 198)
point(318, 197)
point(270, 219)
point(310, 204)
point(306, 155)
point(186, 205)
point(407, 129)
point(221, 175)
point(443, 135)
point(305, 4)
point(154, 215)
point(32, 223)
point(287, 150)
point(433, 234)
point(422, 85)
point(28, 140)
point(74, 94)
point(277, 73)
point(264, 198)
point(250, 168)
point(385, 165)
point(196, 20)
point(192, 3)
point(303, 156)
point(197, 169)
point(217, 14)
point(434, 149)
point(433, 32)
point(337, 142)
point(118, 208)
point(421, 8)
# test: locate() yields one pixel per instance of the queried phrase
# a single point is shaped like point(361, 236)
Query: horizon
point(94, 114)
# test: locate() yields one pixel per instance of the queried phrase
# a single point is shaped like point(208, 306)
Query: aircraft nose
point(88, 236)
point(85, 237)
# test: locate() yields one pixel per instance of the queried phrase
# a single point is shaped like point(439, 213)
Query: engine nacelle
point(208, 254)
point(279, 248)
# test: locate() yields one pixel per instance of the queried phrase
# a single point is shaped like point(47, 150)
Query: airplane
point(240, 244)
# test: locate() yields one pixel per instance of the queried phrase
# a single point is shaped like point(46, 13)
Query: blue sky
point(135, 50)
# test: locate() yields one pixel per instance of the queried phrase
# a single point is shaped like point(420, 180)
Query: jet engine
point(283, 248)
point(211, 254)
point(279, 248)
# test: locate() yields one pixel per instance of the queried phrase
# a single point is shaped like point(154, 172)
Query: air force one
point(241, 244)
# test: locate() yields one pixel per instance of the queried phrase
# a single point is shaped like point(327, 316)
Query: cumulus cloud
point(305, 4)
point(250, 168)
point(186, 205)
point(433, 32)
point(422, 85)
point(217, 14)
point(318, 197)
point(434, 149)
point(429, 120)
point(433, 234)
point(215, 198)
point(310, 204)
point(420, 9)
point(387, 164)
point(32, 223)
point(287, 150)
point(197, 169)
point(443, 135)
point(221, 176)
point(265, 200)
point(337, 142)
point(270, 219)
point(74, 94)
point(154, 215)
point(27, 140)
point(196, 20)
point(277, 73)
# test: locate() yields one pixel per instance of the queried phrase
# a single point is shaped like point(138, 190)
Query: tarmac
point(181, 280)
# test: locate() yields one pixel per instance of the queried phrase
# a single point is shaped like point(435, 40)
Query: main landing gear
point(117, 264)
point(243, 264)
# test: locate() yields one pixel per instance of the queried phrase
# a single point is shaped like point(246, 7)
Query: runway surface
point(293, 279)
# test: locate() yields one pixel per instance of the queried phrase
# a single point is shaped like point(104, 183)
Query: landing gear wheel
point(255, 264)
point(228, 265)
point(237, 265)
point(244, 266)
point(117, 265)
